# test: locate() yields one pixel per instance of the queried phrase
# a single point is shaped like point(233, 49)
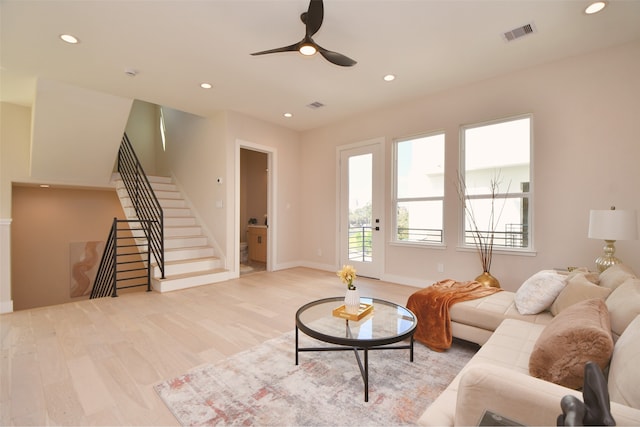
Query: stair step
point(160, 179)
point(180, 221)
point(183, 281)
point(188, 253)
point(172, 268)
point(168, 195)
point(177, 212)
point(184, 241)
point(172, 203)
point(159, 186)
point(182, 231)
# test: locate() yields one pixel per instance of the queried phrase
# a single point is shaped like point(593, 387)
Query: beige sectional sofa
point(498, 380)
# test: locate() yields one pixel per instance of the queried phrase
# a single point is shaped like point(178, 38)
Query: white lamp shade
point(613, 225)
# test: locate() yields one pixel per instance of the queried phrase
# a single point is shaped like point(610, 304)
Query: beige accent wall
point(586, 149)
point(45, 223)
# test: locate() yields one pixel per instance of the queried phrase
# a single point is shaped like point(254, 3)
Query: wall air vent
point(315, 105)
point(516, 33)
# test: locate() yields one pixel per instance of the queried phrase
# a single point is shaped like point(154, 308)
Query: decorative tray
point(362, 312)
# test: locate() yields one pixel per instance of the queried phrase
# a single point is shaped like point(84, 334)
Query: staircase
point(189, 258)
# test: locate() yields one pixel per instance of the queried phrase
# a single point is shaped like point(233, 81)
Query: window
point(162, 131)
point(496, 182)
point(419, 189)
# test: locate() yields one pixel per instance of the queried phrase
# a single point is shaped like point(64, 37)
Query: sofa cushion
point(538, 292)
point(579, 334)
point(578, 288)
point(615, 276)
point(489, 312)
point(624, 373)
point(624, 305)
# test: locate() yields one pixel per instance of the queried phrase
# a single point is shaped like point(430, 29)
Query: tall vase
point(352, 301)
point(488, 280)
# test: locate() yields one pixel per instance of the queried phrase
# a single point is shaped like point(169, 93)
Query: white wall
point(196, 155)
point(15, 135)
point(586, 118)
point(286, 223)
point(76, 134)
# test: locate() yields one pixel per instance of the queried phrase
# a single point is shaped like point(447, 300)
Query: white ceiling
point(431, 45)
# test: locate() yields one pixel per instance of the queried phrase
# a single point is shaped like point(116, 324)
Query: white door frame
point(376, 268)
point(271, 197)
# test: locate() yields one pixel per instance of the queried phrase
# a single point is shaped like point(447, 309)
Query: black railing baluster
point(144, 200)
point(121, 260)
point(150, 220)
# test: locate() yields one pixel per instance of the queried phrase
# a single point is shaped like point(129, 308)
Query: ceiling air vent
point(315, 105)
point(516, 33)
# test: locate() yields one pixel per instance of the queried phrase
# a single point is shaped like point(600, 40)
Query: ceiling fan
point(312, 19)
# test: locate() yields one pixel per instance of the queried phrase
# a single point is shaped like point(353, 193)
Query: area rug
point(263, 386)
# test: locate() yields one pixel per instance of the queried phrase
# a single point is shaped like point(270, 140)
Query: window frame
point(395, 200)
point(522, 195)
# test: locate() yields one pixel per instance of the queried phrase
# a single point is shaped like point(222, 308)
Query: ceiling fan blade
point(292, 48)
point(314, 17)
point(336, 58)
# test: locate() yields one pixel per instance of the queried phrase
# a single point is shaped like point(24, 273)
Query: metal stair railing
point(126, 258)
point(143, 198)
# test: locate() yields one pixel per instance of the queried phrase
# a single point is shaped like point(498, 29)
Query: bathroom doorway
point(254, 221)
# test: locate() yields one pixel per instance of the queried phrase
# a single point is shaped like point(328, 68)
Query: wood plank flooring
point(94, 362)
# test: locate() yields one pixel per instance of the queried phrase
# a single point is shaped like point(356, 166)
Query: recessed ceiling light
point(288, 115)
point(389, 78)
point(205, 85)
point(69, 38)
point(45, 186)
point(595, 7)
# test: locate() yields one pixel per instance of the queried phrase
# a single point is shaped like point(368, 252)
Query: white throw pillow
point(539, 291)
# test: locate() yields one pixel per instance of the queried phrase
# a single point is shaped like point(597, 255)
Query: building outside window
point(498, 155)
point(419, 189)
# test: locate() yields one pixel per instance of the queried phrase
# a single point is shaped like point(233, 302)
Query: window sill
point(501, 251)
point(437, 246)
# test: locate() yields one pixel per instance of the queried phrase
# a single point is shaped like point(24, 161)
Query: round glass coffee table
point(386, 324)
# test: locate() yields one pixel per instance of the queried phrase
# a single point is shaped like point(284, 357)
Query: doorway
point(253, 219)
point(361, 207)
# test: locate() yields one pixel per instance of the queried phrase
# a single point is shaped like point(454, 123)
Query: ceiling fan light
point(307, 49)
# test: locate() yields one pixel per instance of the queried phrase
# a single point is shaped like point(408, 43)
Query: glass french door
point(361, 208)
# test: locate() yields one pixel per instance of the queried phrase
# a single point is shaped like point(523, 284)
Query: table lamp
point(611, 225)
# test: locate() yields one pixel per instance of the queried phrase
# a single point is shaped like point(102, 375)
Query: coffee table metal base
point(364, 366)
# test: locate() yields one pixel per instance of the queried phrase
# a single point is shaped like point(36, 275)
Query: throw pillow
point(591, 276)
point(538, 292)
point(578, 288)
point(624, 375)
point(615, 276)
point(624, 305)
point(579, 334)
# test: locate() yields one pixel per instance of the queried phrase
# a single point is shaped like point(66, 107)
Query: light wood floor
point(94, 362)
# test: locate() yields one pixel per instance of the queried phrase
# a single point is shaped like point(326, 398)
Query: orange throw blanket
point(431, 307)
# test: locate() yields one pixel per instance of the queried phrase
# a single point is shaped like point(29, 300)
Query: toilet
point(244, 253)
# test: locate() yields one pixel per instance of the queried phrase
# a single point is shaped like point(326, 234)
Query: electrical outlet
point(440, 267)
point(319, 251)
